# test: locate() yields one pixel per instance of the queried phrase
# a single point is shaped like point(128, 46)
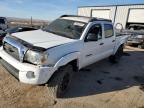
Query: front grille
point(11, 50)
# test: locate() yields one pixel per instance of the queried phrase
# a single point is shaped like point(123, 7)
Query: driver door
point(91, 51)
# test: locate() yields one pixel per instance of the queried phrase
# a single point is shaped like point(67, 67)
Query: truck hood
point(42, 39)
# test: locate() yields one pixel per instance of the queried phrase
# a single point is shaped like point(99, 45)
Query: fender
point(121, 42)
point(67, 58)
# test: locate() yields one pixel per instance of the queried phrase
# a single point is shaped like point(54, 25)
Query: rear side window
point(108, 30)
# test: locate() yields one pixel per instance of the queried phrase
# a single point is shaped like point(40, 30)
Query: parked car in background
point(14, 30)
point(136, 38)
point(3, 23)
point(136, 27)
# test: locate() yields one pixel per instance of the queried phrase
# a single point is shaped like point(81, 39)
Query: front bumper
point(10, 68)
point(20, 70)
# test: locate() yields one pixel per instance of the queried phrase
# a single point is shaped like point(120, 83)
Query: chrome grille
point(11, 50)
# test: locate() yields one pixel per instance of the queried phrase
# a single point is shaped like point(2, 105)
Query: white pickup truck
point(50, 56)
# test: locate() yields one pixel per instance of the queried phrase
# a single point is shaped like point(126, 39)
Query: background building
point(131, 16)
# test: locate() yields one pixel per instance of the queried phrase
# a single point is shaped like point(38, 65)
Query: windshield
point(66, 28)
point(2, 21)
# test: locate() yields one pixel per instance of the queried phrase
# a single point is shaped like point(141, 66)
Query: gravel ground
point(101, 85)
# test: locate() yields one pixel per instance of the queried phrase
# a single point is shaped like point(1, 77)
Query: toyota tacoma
point(53, 54)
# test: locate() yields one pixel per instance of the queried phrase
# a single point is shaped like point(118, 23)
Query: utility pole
point(69, 4)
point(31, 20)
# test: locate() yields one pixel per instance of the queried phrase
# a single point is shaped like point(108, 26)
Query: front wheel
point(116, 57)
point(60, 81)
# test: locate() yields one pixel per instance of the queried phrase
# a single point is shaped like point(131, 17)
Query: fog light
point(30, 74)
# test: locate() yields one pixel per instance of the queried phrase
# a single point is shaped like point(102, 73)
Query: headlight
point(35, 57)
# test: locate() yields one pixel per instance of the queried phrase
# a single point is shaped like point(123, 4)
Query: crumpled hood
point(42, 39)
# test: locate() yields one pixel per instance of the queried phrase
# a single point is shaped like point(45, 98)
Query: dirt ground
point(101, 85)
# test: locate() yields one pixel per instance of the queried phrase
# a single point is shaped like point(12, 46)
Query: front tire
point(116, 57)
point(60, 81)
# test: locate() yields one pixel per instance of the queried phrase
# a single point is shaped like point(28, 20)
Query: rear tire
point(60, 81)
point(116, 58)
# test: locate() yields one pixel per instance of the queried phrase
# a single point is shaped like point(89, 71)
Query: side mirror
point(91, 37)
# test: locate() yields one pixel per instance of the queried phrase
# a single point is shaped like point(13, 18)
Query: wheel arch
point(122, 43)
point(68, 58)
point(71, 58)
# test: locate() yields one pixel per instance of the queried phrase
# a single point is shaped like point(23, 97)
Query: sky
point(51, 9)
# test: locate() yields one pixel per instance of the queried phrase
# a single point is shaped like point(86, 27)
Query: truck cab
point(99, 41)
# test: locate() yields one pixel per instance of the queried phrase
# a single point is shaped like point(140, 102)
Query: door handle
point(89, 55)
point(101, 43)
point(113, 40)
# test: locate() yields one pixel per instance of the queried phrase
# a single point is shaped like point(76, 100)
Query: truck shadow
point(104, 77)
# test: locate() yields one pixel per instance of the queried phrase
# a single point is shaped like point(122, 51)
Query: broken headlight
point(34, 57)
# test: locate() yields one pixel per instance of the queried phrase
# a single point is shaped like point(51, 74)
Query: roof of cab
point(83, 18)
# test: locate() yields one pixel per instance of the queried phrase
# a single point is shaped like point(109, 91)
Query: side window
point(108, 30)
point(95, 33)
